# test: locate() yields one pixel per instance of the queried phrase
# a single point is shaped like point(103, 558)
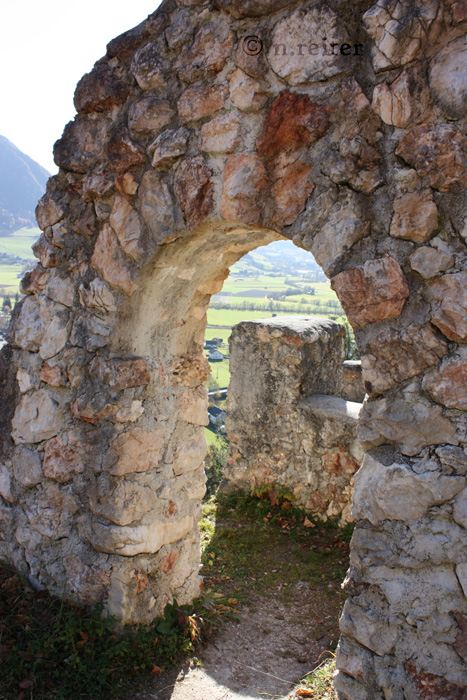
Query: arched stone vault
point(207, 130)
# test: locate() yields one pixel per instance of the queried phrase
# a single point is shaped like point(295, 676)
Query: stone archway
point(208, 129)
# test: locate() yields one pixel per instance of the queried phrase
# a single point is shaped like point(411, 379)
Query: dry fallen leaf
point(308, 523)
point(156, 671)
point(304, 693)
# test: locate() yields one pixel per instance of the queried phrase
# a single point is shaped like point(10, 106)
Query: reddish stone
point(448, 297)
point(33, 281)
point(433, 687)
point(137, 451)
point(372, 292)
point(198, 102)
point(339, 462)
point(246, 191)
point(438, 151)
point(194, 190)
point(459, 11)
point(52, 375)
point(48, 212)
point(99, 90)
point(141, 579)
point(292, 123)
point(168, 562)
point(124, 153)
point(111, 261)
point(121, 374)
point(81, 147)
point(94, 410)
point(171, 509)
point(60, 461)
point(45, 252)
point(291, 191)
point(448, 385)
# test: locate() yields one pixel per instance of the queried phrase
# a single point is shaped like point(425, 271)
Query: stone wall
point(286, 422)
point(213, 127)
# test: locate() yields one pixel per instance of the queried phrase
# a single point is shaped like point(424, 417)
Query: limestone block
point(131, 413)
point(415, 217)
point(24, 380)
point(190, 370)
point(61, 290)
point(82, 145)
point(448, 76)
point(99, 90)
point(126, 184)
point(38, 417)
point(393, 102)
point(180, 29)
point(86, 581)
point(437, 151)
point(55, 336)
point(168, 147)
point(31, 323)
point(375, 291)
point(50, 512)
point(122, 501)
point(202, 101)
point(246, 190)
point(137, 451)
point(293, 122)
point(33, 281)
point(394, 356)
point(27, 468)
point(194, 190)
point(156, 206)
point(290, 191)
point(48, 212)
point(429, 262)
point(448, 298)
point(447, 385)
point(130, 541)
point(119, 373)
point(97, 295)
point(194, 407)
point(6, 486)
point(245, 92)
point(148, 66)
point(60, 461)
point(52, 375)
point(91, 332)
point(298, 61)
point(189, 455)
point(208, 53)
point(221, 134)
point(150, 114)
point(344, 227)
point(395, 492)
point(460, 509)
point(45, 252)
point(126, 223)
point(414, 424)
point(373, 633)
point(111, 262)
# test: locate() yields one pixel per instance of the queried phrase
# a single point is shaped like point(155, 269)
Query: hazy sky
point(45, 48)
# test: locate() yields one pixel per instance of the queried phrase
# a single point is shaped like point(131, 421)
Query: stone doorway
point(205, 131)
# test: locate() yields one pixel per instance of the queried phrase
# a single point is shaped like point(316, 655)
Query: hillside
point(280, 258)
point(22, 183)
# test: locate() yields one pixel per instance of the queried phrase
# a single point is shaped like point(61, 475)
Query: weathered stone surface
point(448, 384)
point(352, 381)
point(86, 582)
point(60, 461)
point(429, 262)
point(245, 92)
point(32, 320)
point(148, 66)
point(245, 193)
point(448, 298)
point(448, 76)
point(109, 259)
point(82, 145)
point(131, 413)
point(6, 486)
point(24, 380)
point(190, 370)
point(130, 541)
point(55, 336)
point(290, 192)
point(221, 134)
point(137, 451)
point(412, 424)
point(121, 374)
point(52, 375)
point(400, 30)
point(190, 456)
point(48, 212)
point(252, 8)
point(293, 122)
point(395, 492)
point(126, 223)
point(460, 509)
point(434, 686)
point(123, 153)
point(97, 295)
point(90, 332)
point(99, 90)
point(62, 290)
point(33, 281)
point(395, 356)
point(122, 501)
point(157, 206)
point(296, 58)
point(50, 512)
point(194, 407)
point(150, 114)
point(437, 151)
point(208, 53)
point(45, 252)
point(27, 468)
point(373, 632)
point(198, 102)
point(38, 417)
point(415, 217)
point(373, 292)
point(194, 190)
point(393, 102)
point(169, 146)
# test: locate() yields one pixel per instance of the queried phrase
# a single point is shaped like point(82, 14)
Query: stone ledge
point(331, 407)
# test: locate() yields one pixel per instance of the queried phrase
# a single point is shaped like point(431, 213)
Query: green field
point(20, 242)
point(10, 277)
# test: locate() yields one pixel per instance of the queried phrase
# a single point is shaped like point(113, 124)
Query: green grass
point(20, 242)
point(230, 317)
point(10, 277)
point(318, 685)
point(220, 372)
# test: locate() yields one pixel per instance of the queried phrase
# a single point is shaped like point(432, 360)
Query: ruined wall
point(210, 129)
point(286, 422)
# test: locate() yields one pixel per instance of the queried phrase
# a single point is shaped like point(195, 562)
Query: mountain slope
point(22, 183)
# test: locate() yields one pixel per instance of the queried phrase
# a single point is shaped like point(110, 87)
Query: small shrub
point(214, 465)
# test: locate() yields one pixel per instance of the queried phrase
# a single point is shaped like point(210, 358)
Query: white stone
point(130, 541)
point(38, 417)
point(461, 572)
point(55, 337)
point(343, 228)
point(24, 380)
point(32, 321)
point(189, 456)
point(126, 224)
point(130, 414)
point(460, 509)
point(429, 262)
point(448, 75)
point(395, 492)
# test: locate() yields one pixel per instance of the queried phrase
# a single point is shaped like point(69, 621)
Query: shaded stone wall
point(210, 129)
point(286, 422)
